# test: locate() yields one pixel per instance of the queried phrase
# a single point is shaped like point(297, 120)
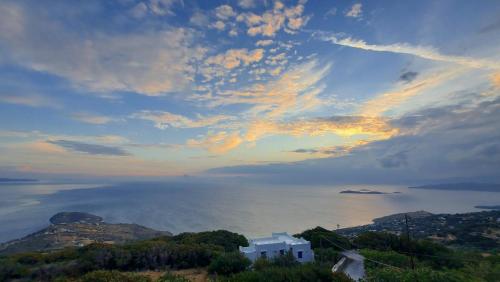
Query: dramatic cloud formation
point(93, 149)
point(294, 91)
point(340, 125)
point(160, 83)
point(151, 63)
point(409, 157)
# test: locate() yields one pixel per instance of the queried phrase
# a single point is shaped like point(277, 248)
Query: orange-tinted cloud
point(388, 100)
point(495, 79)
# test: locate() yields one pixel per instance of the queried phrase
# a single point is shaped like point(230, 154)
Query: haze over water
point(250, 209)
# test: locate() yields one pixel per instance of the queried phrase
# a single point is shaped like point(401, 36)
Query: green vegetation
point(300, 273)
point(323, 238)
point(388, 258)
point(229, 263)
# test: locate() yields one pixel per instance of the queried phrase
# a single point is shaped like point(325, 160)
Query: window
point(282, 252)
point(263, 254)
point(299, 254)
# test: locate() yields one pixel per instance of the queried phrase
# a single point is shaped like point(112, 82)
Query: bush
point(389, 257)
point(299, 273)
point(323, 238)
point(420, 274)
point(328, 255)
point(229, 263)
point(287, 260)
point(261, 264)
point(228, 240)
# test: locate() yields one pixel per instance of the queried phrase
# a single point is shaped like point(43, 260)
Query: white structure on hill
point(276, 245)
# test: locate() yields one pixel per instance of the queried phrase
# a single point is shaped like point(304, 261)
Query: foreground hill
point(75, 229)
point(214, 256)
point(480, 230)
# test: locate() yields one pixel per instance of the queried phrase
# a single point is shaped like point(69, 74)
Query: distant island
point(365, 191)
point(9, 180)
point(486, 187)
point(495, 207)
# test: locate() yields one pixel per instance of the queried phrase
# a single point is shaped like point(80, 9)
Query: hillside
point(480, 230)
point(75, 229)
point(214, 256)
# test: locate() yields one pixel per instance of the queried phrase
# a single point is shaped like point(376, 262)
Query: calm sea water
point(252, 210)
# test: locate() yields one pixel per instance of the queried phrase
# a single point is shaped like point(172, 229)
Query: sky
point(290, 91)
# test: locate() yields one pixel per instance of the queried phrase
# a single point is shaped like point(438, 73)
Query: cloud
point(345, 126)
point(219, 25)
point(199, 19)
point(399, 159)
point(419, 51)
point(163, 120)
point(217, 143)
point(220, 65)
point(388, 100)
point(330, 13)
point(246, 4)
point(408, 76)
point(224, 12)
point(30, 100)
point(495, 79)
point(92, 118)
point(162, 7)
point(332, 151)
point(92, 149)
point(264, 42)
point(294, 91)
point(490, 27)
point(151, 62)
point(234, 57)
point(271, 21)
point(139, 11)
point(442, 144)
point(355, 11)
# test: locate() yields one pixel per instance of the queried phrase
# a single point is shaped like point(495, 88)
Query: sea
point(249, 209)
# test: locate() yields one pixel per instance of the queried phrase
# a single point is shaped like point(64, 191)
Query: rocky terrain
point(75, 229)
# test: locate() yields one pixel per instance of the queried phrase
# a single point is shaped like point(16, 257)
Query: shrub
point(323, 238)
point(328, 255)
point(261, 264)
point(228, 240)
point(299, 273)
point(229, 263)
point(420, 274)
point(287, 260)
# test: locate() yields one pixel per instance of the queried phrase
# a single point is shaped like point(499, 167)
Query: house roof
point(282, 237)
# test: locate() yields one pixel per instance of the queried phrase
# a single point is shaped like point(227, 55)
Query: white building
point(276, 245)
